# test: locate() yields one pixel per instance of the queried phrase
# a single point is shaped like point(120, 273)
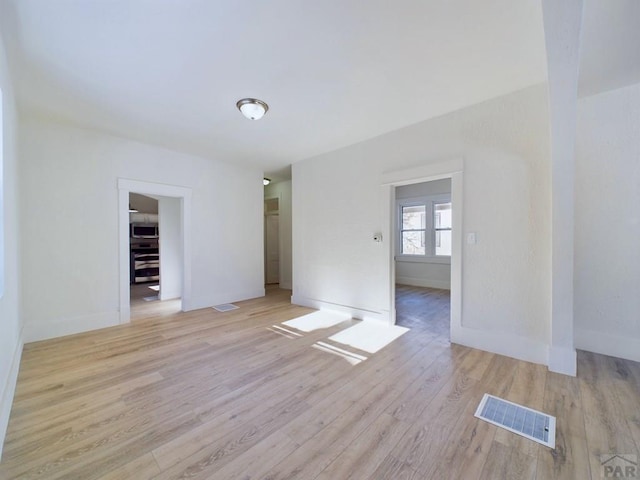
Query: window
point(425, 227)
point(442, 228)
point(413, 230)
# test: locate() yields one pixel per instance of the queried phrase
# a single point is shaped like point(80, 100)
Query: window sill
point(423, 259)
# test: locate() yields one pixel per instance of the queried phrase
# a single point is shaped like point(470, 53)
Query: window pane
point(413, 243)
point(443, 242)
point(413, 218)
point(442, 215)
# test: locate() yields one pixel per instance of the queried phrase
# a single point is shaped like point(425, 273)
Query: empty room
point(335, 240)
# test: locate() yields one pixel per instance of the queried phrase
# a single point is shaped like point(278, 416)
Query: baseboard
point(220, 298)
point(286, 285)
point(424, 282)
point(9, 389)
point(510, 345)
point(358, 313)
point(607, 344)
point(68, 326)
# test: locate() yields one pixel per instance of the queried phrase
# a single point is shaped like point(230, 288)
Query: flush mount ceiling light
point(266, 181)
point(252, 108)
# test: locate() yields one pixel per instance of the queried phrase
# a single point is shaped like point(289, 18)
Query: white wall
point(10, 318)
point(282, 190)
point(170, 247)
point(430, 272)
point(607, 224)
point(339, 203)
point(70, 262)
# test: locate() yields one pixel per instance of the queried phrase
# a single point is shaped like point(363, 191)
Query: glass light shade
point(252, 108)
point(266, 181)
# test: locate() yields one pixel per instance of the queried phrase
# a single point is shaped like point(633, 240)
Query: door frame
point(126, 186)
point(452, 169)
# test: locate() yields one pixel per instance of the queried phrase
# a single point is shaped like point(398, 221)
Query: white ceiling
point(334, 72)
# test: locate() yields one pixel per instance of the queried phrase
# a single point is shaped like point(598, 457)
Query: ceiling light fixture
point(132, 210)
point(252, 108)
point(266, 181)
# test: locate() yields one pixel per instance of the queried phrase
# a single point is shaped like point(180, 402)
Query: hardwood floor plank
point(215, 455)
point(365, 453)
point(142, 467)
point(527, 389)
point(606, 427)
point(210, 395)
point(394, 469)
point(507, 463)
point(570, 458)
point(255, 462)
point(470, 440)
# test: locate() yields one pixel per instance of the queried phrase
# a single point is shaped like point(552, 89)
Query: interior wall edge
point(8, 392)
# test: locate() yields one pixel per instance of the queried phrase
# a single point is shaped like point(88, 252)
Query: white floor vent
point(225, 307)
point(531, 424)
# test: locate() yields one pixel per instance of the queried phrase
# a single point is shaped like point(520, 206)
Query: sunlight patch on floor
point(351, 357)
point(369, 336)
point(285, 332)
point(316, 321)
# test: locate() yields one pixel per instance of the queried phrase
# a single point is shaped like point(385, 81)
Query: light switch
point(471, 238)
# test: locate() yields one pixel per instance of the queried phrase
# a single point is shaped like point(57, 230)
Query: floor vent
point(225, 307)
point(524, 421)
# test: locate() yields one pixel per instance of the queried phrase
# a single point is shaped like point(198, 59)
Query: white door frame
point(126, 186)
point(452, 169)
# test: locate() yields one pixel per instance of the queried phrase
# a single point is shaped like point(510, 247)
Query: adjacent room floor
point(239, 395)
point(423, 309)
point(145, 302)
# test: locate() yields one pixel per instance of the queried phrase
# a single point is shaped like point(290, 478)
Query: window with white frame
point(424, 227)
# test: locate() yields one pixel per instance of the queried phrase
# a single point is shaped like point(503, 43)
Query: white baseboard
point(424, 282)
point(358, 313)
point(220, 298)
point(68, 326)
point(8, 390)
point(513, 346)
point(607, 344)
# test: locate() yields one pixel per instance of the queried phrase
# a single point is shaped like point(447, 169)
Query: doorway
point(173, 225)
point(272, 241)
point(450, 169)
point(423, 230)
point(144, 241)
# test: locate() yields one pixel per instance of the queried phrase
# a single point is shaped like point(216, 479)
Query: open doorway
point(422, 257)
point(272, 241)
point(144, 242)
point(155, 246)
point(155, 263)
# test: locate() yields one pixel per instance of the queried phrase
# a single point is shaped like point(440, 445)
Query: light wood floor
point(208, 395)
point(141, 308)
